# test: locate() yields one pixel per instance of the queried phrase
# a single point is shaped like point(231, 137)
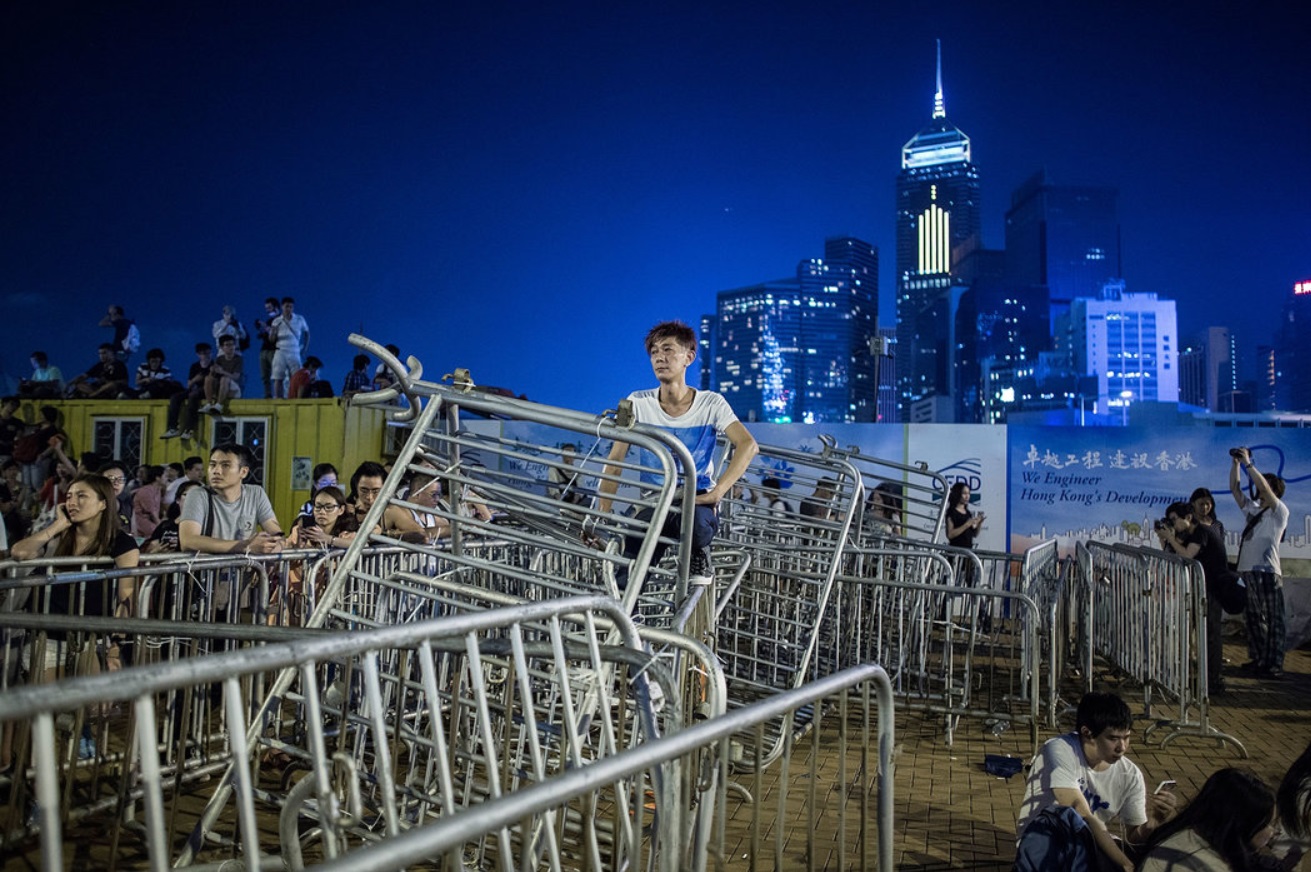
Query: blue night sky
point(522, 189)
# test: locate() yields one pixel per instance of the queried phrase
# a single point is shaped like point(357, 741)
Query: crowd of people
point(286, 368)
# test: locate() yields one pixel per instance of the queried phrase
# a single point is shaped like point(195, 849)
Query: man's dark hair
point(676, 330)
point(50, 414)
point(155, 353)
point(1101, 711)
point(107, 346)
point(394, 349)
point(107, 465)
point(8, 463)
point(227, 339)
point(177, 466)
point(313, 362)
point(367, 469)
point(291, 300)
point(273, 300)
point(193, 460)
point(116, 309)
point(241, 452)
point(203, 346)
point(1179, 510)
point(361, 361)
point(1276, 483)
point(40, 357)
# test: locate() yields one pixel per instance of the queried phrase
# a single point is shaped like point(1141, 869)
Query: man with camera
point(1179, 532)
point(1258, 563)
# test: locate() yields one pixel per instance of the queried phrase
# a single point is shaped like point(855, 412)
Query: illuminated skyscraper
point(1130, 343)
point(801, 349)
point(937, 212)
point(1292, 377)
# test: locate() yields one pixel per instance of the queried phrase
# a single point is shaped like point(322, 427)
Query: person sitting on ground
point(1077, 785)
point(306, 384)
point(154, 380)
point(357, 380)
point(231, 516)
point(46, 381)
point(1225, 827)
point(147, 502)
point(366, 487)
point(184, 406)
point(223, 382)
point(107, 377)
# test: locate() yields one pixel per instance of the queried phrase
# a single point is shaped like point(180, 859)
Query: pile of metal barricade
point(526, 693)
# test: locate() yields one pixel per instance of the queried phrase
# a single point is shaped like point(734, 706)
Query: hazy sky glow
point(522, 189)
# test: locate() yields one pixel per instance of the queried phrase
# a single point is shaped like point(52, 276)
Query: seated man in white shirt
point(1088, 773)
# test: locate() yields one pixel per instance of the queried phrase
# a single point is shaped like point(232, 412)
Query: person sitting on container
point(86, 525)
point(107, 377)
point(305, 382)
point(1226, 826)
point(1077, 785)
point(154, 380)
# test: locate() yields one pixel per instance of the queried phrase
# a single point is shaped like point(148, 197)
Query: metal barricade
point(902, 501)
point(769, 609)
point(839, 782)
point(1152, 626)
point(384, 731)
point(902, 608)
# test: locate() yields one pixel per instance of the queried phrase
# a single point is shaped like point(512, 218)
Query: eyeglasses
point(116, 479)
point(326, 507)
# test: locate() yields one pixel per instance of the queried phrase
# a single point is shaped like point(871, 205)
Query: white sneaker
point(171, 433)
point(188, 435)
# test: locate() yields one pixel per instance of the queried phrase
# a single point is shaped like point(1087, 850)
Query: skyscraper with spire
point(937, 216)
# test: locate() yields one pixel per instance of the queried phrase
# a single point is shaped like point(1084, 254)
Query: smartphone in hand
point(1168, 784)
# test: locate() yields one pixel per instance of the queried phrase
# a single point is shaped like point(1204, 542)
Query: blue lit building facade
point(800, 349)
point(937, 215)
point(1292, 358)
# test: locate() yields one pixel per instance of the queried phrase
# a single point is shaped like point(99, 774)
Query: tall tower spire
point(939, 105)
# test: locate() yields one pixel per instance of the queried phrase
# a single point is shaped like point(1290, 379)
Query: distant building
point(1292, 356)
point(1206, 370)
point(937, 215)
point(802, 349)
point(1064, 237)
point(1130, 343)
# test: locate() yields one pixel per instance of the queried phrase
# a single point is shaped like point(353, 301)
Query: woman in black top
point(86, 525)
point(962, 524)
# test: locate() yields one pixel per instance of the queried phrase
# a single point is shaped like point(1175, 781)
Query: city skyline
point(483, 187)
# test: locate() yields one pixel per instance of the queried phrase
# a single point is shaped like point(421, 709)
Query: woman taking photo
point(86, 525)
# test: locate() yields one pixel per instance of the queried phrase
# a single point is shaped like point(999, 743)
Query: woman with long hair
point(1224, 828)
point(962, 524)
point(86, 525)
point(331, 525)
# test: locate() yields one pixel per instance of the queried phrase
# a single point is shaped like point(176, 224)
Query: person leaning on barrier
point(1181, 534)
point(366, 487)
point(1077, 785)
point(1258, 563)
point(230, 516)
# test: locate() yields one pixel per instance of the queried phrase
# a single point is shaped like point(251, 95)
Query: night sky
point(522, 189)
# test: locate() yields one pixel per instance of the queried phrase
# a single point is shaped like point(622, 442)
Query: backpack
point(132, 341)
point(243, 338)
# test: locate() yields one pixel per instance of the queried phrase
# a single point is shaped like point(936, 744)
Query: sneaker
point(187, 435)
point(702, 571)
point(171, 433)
point(86, 748)
point(216, 410)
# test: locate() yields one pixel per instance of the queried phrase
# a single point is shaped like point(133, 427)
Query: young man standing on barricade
point(695, 418)
point(1077, 785)
point(1258, 563)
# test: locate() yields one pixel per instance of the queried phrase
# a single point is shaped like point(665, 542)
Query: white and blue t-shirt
point(698, 428)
